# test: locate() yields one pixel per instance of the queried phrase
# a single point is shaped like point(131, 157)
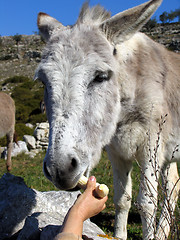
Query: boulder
point(30, 214)
point(29, 125)
point(43, 125)
point(40, 133)
point(30, 141)
point(19, 147)
point(35, 224)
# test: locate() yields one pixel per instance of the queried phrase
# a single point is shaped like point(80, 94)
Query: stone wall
point(31, 145)
point(39, 141)
point(40, 138)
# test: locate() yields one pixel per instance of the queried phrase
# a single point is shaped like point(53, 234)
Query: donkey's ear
point(122, 26)
point(47, 25)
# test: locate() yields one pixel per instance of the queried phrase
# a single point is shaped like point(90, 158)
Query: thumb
point(91, 184)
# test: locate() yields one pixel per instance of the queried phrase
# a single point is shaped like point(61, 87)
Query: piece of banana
point(101, 189)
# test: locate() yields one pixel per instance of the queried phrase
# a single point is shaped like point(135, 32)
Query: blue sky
point(19, 16)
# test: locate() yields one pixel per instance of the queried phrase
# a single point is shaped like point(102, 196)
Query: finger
point(91, 184)
point(104, 205)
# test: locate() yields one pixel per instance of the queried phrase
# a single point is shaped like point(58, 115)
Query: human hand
point(88, 204)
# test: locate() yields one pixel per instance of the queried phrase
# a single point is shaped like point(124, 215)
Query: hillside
point(20, 59)
point(23, 58)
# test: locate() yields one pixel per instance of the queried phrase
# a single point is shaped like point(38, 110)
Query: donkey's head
point(79, 69)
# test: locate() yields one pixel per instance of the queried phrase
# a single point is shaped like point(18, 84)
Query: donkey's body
point(7, 123)
point(108, 85)
point(149, 93)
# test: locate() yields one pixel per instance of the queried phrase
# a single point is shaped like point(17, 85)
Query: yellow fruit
point(101, 189)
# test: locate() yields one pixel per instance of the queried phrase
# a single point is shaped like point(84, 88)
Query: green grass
point(31, 170)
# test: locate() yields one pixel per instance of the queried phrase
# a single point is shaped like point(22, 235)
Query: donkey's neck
point(129, 48)
point(139, 58)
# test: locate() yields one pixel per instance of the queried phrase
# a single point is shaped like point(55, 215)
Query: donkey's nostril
point(46, 171)
point(74, 163)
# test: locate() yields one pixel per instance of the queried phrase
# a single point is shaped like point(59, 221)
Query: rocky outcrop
point(21, 58)
point(166, 34)
point(29, 214)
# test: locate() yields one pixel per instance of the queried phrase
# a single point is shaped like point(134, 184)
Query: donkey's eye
point(102, 76)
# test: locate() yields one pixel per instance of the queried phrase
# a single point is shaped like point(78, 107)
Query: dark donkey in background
point(7, 123)
point(106, 84)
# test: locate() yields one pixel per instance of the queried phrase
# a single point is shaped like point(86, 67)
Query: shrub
point(3, 141)
point(16, 79)
point(22, 129)
point(37, 118)
point(22, 113)
point(17, 38)
point(27, 95)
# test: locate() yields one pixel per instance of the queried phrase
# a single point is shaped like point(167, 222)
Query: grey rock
point(41, 134)
point(18, 148)
point(16, 203)
point(50, 232)
point(36, 215)
point(29, 125)
point(35, 224)
point(30, 141)
point(21, 147)
point(43, 125)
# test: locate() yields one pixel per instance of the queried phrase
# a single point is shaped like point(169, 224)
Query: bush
point(22, 113)
point(37, 118)
point(22, 129)
point(16, 79)
point(27, 95)
point(3, 142)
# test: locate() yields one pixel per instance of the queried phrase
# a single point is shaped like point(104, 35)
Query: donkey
point(107, 84)
point(7, 123)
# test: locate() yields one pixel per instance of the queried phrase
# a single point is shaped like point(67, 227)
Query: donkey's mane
point(94, 15)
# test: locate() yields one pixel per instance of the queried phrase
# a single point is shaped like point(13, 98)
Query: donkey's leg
point(147, 199)
point(122, 198)
point(170, 189)
point(122, 193)
point(9, 136)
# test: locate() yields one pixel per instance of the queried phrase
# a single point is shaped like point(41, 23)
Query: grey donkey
point(7, 123)
point(108, 85)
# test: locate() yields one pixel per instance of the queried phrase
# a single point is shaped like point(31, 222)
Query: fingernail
point(92, 178)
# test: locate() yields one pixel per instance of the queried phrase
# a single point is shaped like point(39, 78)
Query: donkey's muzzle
point(63, 175)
